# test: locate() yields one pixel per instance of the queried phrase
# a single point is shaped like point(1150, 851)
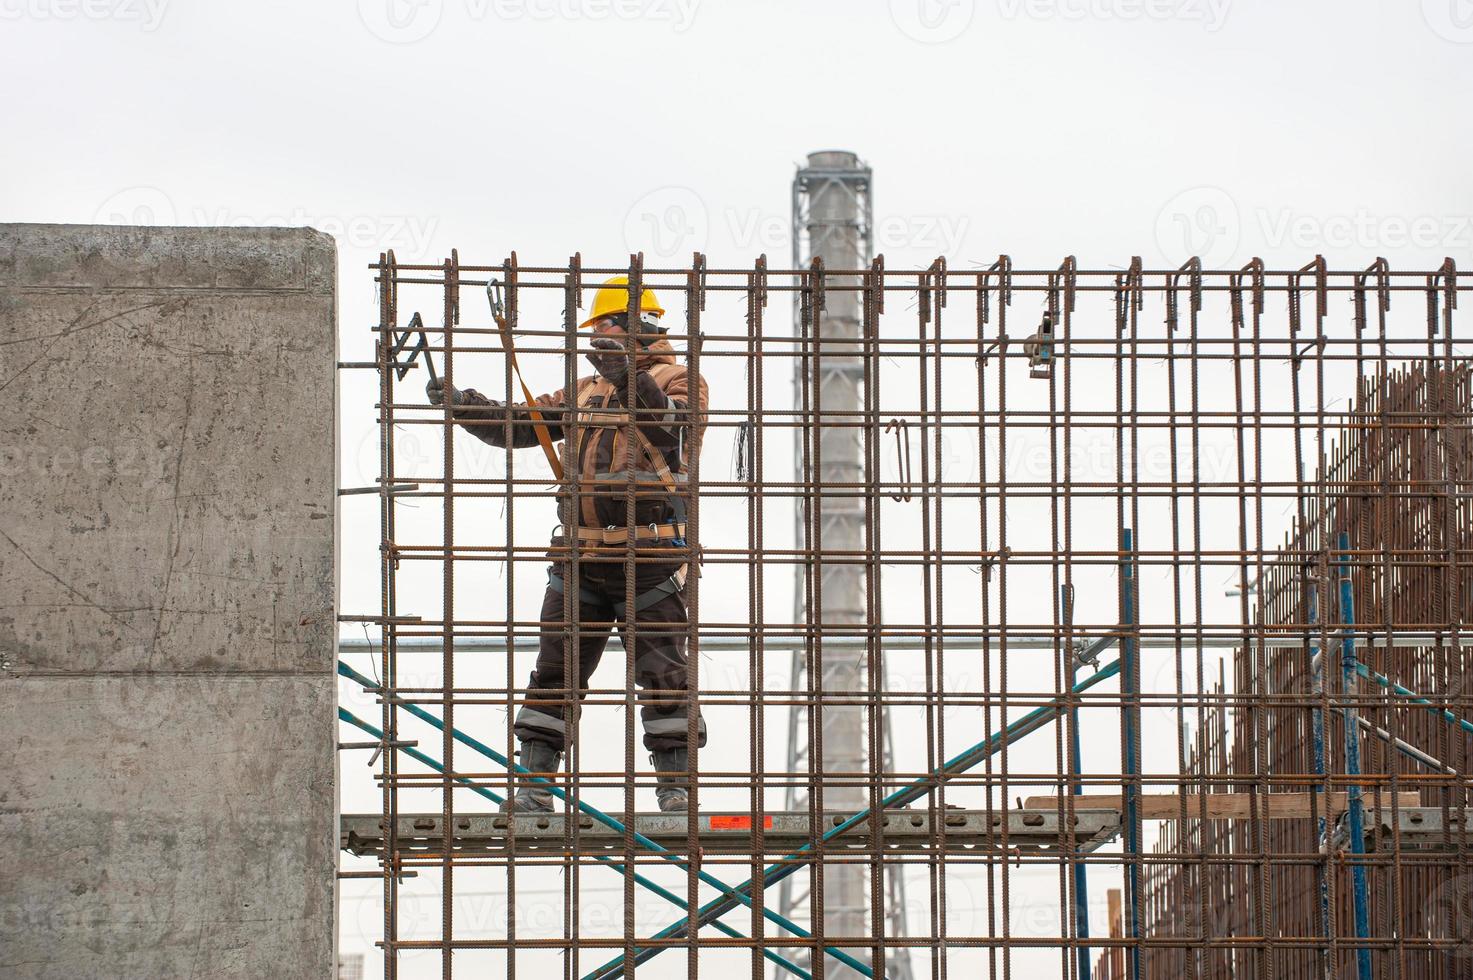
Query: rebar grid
point(1073, 534)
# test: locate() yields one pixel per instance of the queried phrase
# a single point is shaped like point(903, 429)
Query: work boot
point(674, 771)
point(532, 797)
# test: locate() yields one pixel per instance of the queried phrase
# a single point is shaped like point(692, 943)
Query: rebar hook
point(901, 428)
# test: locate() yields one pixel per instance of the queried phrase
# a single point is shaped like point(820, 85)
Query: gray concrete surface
point(167, 602)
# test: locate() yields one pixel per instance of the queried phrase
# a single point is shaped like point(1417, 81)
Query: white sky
point(1102, 128)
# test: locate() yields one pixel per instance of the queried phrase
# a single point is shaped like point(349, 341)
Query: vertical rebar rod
point(1076, 768)
point(1356, 814)
point(1317, 729)
point(388, 661)
point(1130, 710)
point(451, 289)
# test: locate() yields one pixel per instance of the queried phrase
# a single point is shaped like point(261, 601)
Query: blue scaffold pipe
point(611, 863)
point(967, 759)
point(601, 817)
point(1413, 696)
point(1352, 763)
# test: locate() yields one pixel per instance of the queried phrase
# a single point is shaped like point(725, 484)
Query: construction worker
point(597, 517)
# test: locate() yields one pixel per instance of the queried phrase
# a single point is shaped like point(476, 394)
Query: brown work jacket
point(658, 455)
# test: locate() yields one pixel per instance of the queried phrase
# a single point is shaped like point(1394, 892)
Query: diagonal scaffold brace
point(611, 863)
point(608, 821)
point(786, 866)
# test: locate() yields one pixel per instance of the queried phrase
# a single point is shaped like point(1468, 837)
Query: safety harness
point(614, 540)
point(610, 537)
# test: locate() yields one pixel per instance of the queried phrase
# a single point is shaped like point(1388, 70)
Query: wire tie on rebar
point(988, 564)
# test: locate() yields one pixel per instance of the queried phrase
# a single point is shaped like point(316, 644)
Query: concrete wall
point(167, 602)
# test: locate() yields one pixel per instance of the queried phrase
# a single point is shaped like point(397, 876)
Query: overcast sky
point(1039, 128)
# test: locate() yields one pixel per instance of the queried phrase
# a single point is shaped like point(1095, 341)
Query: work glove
point(435, 390)
point(610, 359)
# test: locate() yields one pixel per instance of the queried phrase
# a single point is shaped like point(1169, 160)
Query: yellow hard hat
point(613, 297)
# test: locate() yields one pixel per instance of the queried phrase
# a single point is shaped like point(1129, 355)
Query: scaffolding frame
point(1037, 395)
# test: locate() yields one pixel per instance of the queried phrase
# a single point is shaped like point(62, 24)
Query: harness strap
point(539, 425)
point(671, 586)
point(555, 583)
point(620, 535)
point(658, 464)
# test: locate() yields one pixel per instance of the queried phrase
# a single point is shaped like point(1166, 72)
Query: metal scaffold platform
point(1411, 827)
point(728, 833)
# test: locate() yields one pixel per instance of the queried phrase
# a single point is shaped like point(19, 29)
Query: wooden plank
point(1220, 806)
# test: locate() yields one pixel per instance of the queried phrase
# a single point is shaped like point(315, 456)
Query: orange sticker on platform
point(734, 822)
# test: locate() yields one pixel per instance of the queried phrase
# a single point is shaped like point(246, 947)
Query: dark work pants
point(659, 650)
